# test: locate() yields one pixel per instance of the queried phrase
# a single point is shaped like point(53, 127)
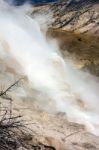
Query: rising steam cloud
point(70, 91)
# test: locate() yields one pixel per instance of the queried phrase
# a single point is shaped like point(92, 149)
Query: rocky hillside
point(54, 131)
point(75, 15)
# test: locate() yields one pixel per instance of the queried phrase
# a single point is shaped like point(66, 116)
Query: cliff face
point(81, 19)
point(79, 16)
point(75, 15)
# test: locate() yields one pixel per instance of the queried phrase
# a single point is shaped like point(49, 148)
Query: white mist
point(69, 90)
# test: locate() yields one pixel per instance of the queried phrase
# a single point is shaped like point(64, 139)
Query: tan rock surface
point(50, 129)
point(71, 15)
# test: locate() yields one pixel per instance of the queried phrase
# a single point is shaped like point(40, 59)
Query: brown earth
point(83, 49)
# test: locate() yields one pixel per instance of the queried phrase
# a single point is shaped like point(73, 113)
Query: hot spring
point(65, 88)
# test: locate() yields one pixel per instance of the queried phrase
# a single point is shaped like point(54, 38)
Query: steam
point(64, 88)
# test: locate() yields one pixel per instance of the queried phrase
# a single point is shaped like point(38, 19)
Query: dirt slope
point(50, 129)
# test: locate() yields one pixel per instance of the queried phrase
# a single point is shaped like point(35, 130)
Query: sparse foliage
point(14, 133)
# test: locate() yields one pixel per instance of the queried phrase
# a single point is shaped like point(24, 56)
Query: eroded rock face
point(77, 16)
